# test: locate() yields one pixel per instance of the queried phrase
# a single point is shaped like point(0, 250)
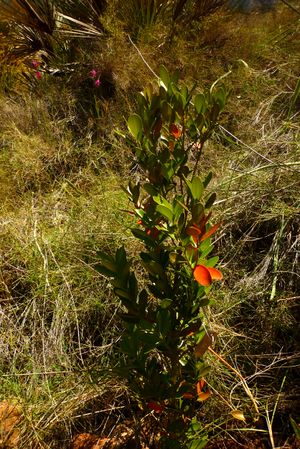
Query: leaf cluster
point(164, 320)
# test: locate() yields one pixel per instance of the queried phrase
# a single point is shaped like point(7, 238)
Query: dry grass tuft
point(61, 166)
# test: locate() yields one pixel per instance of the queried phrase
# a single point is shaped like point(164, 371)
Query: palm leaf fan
point(36, 14)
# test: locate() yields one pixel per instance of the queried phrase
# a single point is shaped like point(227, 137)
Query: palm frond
point(85, 13)
point(36, 14)
point(26, 42)
point(73, 27)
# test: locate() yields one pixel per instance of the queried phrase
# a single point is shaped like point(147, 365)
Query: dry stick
point(259, 168)
point(95, 412)
point(143, 59)
point(244, 383)
point(291, 6)
point(246, 145)
point(276, 164)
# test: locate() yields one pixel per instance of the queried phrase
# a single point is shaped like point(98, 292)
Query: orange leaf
point(202, 395)
point(202, 275)
point(215, 274)
point(193, 231)
point(171, 146)
point(207, 234)
point(200, 385)
point(175, 131)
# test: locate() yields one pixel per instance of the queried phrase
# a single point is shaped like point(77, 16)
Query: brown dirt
point(122, 438)
point(10, 416)
point(88, 441)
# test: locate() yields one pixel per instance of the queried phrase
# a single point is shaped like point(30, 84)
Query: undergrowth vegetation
point(70, 77)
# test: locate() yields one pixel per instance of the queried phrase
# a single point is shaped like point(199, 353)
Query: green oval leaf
point(196, 188)
point(210, 201)
point(207, 179)
point(135, 126)
point(165, 211)
point(199, 102)
point(164, 77)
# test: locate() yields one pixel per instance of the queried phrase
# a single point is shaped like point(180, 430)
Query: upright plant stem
point(198, 158)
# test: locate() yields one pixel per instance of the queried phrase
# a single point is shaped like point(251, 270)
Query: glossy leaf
point(212, 261)
point(165, 211)
point(215, 274)
point(210, 232)
point(201, 394)
point(121, 260)
point(135, 126)
point(122, 293)
point(130, 318)
point(133, 286)
point(165, 303)
point(202, 275)
point(196, 188)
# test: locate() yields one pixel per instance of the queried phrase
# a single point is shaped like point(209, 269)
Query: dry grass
point(61, 165)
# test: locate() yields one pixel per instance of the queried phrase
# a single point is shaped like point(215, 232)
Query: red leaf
point(156, 407)
point(202, 275)
point(153, 232)
point(187, 395)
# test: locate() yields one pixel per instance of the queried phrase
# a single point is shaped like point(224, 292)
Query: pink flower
point(38, 75)
point(93, 73)
point(35, 63)
point(97, 83)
